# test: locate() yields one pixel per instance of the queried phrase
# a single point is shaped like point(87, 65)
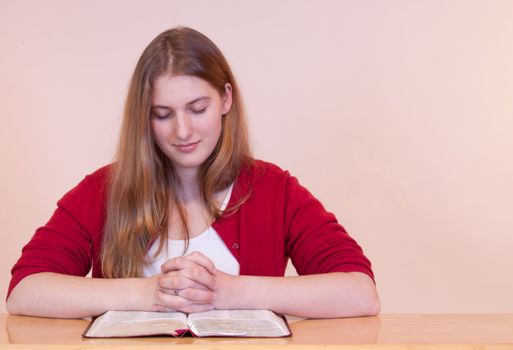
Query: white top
point(208, 243)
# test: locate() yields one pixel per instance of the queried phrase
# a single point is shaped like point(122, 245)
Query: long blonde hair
point(142, 183)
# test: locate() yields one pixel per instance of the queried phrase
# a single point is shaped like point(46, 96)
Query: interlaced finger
point(171, 281)
point(185, 261)
point(194, 272)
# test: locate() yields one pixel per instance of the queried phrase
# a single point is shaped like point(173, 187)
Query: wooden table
point(381, 332)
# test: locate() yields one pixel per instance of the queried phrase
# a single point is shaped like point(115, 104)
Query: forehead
point(180, 89)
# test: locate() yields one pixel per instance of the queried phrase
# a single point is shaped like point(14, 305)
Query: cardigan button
point(235, 246)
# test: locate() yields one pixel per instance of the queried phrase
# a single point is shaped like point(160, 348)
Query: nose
point(183, 127)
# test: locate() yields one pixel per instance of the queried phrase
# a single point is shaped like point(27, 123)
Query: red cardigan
point(281, 219)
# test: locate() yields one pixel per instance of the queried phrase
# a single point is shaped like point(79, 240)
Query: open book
point(215, 323)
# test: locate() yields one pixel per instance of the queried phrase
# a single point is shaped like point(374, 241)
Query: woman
point(186, 219)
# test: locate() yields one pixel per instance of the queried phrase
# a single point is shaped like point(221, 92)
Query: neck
point(190, 190)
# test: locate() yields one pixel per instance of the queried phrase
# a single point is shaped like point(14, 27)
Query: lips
point(187, 147)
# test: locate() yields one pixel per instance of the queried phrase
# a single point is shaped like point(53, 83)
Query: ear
point(227, 98)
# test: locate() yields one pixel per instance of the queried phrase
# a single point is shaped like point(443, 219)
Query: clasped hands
point(190, 283)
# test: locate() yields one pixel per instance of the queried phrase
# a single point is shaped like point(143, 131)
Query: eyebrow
point(188, 103)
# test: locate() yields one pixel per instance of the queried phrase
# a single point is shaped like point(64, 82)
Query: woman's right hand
point(186, 284)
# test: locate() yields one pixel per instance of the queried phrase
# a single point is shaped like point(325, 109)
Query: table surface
point(388, 331)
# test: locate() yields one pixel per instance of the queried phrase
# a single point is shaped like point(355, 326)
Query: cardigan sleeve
point(316, 242)
point(64, 244)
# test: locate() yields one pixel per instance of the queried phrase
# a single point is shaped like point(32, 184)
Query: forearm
point(312, 296)
point(54, 295)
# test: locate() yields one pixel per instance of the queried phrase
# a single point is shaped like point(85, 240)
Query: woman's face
point(186, 118)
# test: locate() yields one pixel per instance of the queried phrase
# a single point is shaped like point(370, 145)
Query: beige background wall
point(398, 115)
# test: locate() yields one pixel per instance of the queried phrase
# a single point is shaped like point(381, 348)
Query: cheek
point(209, 126)
point(215, 128)
point(159, 139)
point(159, 131)
point(216, 122)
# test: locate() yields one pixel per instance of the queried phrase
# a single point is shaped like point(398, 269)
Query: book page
point(136, 323)
point(238, 323)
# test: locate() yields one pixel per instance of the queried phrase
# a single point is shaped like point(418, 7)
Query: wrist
point(239, 292)
point(255, 293)
point(140, 294)
point(230, 291)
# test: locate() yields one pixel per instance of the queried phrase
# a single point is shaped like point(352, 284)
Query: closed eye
point(162, 116)
point(198, 111)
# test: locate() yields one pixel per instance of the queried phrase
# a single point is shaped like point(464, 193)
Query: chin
point(191, 165)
